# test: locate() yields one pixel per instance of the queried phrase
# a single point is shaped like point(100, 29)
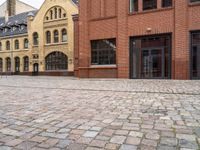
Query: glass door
point(152, 63)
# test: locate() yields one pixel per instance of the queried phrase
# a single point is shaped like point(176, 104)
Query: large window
point(64, 35)
point(16, 44)
point(149, 4)
point(133, 6)
point(26, 63)
point(195, 55)
point(56, 36)
point(1, 65)
point(166, 3)
point(56, 61)
point(103, 52)
point(48, 37)
point(35, 39)
point(8, 64)
point(7, 45)
point(25, 43)
point(151, 57)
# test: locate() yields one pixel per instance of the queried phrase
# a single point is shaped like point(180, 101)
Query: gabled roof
point(17, 20)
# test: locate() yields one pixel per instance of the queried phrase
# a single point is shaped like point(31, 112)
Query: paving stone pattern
point(61, 113)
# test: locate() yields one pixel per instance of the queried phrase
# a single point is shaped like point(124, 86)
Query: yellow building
point(38, 42)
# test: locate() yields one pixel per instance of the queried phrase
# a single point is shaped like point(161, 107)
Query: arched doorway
point(35, 69)
point(17, 65)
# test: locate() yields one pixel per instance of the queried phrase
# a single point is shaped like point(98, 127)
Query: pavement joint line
point(77, 89)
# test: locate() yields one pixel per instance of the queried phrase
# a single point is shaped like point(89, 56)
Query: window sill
point(103, 66)
point(151, 11)
point(53, 44)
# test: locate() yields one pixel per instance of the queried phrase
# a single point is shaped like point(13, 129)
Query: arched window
point(35, 39)
point(16, 44)
point(1, 65)
point(51, 14)
point(7, 45)
point(26, 63)
point(60, 13)
point(56, 13)
point(56, 61)
point(0, 46)
point(64, 35)
point(8, 64)
point(25, 43)
point(56, 36)
point(48, 37)
point(17, 64)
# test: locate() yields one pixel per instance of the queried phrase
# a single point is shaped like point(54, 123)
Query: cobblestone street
point(60, 113)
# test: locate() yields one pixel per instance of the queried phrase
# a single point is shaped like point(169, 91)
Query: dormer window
point(14, 28)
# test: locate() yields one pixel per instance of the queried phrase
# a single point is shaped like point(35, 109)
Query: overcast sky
point(34, 3)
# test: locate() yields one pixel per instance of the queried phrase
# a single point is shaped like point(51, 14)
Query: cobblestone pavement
point(59, 113)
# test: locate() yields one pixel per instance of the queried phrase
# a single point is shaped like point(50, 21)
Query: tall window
point(60, 13)
point(35, 39)
point(25, 43)
point(17, 64)
point(7, 45)
point(56, 13)
point(16, 44)
point(48, 37)
point(51, 14)
point(64, 35)
point(0, 46)
point(133, 6)
point(8, 64)
point(1, 65)
point(103, 52)
point(56, 36)
point(56, 61)
point(166, 3)
point(195, 55)
point(149, 4)
point(26, 63)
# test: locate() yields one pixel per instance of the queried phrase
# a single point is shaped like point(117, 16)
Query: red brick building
point(138, 39)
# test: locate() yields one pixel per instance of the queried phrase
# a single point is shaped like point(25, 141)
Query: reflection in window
point(56, 61)
point(103, 52)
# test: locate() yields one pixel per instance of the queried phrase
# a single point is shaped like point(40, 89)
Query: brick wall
point(101, 19)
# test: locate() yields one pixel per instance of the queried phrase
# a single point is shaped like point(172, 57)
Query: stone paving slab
point(59, 113)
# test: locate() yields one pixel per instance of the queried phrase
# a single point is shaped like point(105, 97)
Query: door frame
point(132, 38)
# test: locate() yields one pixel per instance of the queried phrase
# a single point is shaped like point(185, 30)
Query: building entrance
point(150, 57)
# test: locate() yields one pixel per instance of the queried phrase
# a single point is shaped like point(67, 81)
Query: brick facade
point(103, 19)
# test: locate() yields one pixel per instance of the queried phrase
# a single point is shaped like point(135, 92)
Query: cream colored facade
point(54, 15)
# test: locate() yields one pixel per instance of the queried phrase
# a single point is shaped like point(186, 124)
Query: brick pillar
point(122, 40)
point(181, 54)
point(140, 6)
point(84, 43)
point(76, 43)
point(159, 4)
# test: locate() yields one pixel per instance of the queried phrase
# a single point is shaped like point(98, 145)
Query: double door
point(152, 63)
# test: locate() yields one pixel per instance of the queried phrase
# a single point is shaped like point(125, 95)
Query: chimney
point(6, 16)
point(11, 7)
